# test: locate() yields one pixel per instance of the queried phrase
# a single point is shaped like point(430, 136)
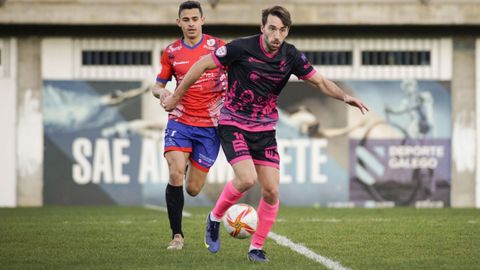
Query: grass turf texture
point(136, 238)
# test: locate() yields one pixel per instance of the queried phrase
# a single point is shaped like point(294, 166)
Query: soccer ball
point(240, 221)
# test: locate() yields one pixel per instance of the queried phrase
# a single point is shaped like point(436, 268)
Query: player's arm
point(402, 108)
point(331, 89)
point(205, 63)
point(159, 91)
point(334, 132)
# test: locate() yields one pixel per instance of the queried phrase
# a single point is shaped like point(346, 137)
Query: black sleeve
point(301, 66)
point(227, 54)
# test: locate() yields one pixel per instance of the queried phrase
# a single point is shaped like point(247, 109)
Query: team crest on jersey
point(211, 42)
point(221, 52)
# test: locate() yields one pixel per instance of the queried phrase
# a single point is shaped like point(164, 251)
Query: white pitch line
point(164, 209)
point(284, 241)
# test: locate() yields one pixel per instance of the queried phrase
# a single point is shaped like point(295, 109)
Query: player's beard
point(274, 45)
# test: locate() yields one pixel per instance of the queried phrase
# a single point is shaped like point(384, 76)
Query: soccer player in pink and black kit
point(258, 69)
point(190, 135)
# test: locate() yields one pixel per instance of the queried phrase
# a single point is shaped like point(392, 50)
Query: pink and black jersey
point(200, 106)
point(255, 80)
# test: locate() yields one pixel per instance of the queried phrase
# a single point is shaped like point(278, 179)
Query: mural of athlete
point(261, 64)
point(308, 124)
point(418, 105)
point(190, 135)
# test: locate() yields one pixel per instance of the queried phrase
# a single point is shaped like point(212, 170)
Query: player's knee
point(245, 180)
point(246, 184)
point(193, 191)
point(176, 176)
point(270, 194)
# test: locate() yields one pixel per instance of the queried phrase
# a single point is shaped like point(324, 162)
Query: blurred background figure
point(418, 105)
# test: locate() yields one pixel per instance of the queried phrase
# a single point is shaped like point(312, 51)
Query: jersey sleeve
point(227, 54)
point(166, 73)
point(302, 67)
point(221, 43)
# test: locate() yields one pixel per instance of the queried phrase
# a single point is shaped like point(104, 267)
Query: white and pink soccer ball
point(240, 221)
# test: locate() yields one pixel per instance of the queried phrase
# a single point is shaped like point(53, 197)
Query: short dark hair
point(190, 5)
point(281, 12)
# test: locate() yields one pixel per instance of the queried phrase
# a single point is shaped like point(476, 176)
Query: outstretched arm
point(118, 96)
point(205, 63)
point(331, 89)
point(403, 108)
point(333, 132)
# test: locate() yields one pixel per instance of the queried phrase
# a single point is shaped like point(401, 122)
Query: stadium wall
point(8, 113)
point(45, 53)
point(464, 130)
point(66, 79)
point(226, 12)
point(29, 146)
point(477, 133)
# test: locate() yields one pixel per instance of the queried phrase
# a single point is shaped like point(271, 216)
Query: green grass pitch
point(136, 238)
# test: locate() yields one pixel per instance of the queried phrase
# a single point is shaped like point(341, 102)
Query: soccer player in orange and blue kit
point(258, 68)
point(190, 137)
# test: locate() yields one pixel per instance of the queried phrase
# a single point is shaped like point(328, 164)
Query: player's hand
point(169, 103)
point(160, 93)
point(355, 102)
point(164, 93)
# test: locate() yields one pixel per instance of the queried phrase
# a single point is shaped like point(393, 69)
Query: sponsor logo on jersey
point(180, 63)
point(221, 52)
point(255, 60)
point(255, 76)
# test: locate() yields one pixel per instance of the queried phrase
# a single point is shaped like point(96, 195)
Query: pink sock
point(266, 217)
point(230, 195)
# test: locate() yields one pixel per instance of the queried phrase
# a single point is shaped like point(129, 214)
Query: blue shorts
point(202, 143)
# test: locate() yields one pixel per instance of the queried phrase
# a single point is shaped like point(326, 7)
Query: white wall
point(8, 102)
point(440, 67)
point(477, 102)
point(62, 56)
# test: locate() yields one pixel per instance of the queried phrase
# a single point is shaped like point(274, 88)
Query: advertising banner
point(404, 154)
point(103, 145)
